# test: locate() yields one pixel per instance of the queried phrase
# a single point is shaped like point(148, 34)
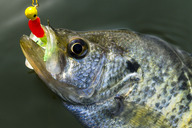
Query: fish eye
point(77, 48)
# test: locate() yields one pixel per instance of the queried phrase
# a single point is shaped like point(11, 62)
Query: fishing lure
point(35, 24)
point(34, 21)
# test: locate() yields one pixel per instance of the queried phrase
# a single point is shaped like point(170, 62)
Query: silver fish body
point(116, 78)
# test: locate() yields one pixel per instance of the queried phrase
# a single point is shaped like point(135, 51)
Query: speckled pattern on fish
point(119, 78)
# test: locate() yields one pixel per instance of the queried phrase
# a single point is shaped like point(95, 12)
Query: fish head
point(81, 67)
point(74, 64)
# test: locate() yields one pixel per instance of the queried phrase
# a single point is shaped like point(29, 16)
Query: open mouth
point(34, 53)
point(38, 51)
point(46, 70)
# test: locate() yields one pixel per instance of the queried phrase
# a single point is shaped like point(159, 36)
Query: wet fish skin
point(153, 77)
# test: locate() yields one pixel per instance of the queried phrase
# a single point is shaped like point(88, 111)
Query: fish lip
point(31, 48)
point(35, 56)
point(33, 53)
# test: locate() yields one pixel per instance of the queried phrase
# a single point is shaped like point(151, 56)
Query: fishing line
point(37, 3)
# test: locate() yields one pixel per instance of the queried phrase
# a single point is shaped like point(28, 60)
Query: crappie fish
point(115, 78)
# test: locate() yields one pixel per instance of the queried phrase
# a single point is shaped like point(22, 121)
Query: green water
point(25, 100)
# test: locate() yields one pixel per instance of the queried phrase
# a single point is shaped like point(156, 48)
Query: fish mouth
point(46, 70)
point(34, 54)
point(49, 69)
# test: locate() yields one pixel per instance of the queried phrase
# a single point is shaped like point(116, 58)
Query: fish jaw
point(35, 56)
point(52, 69)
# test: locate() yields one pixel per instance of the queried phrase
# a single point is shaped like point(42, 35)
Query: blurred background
point(25, 101)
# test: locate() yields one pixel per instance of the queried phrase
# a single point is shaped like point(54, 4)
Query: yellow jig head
point(31, 12)
point(35, 25)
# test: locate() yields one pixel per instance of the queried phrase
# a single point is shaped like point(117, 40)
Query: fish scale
point(125, 79)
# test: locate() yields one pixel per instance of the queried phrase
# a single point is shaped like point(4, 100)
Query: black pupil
point(35, 15)
point(77, 48)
